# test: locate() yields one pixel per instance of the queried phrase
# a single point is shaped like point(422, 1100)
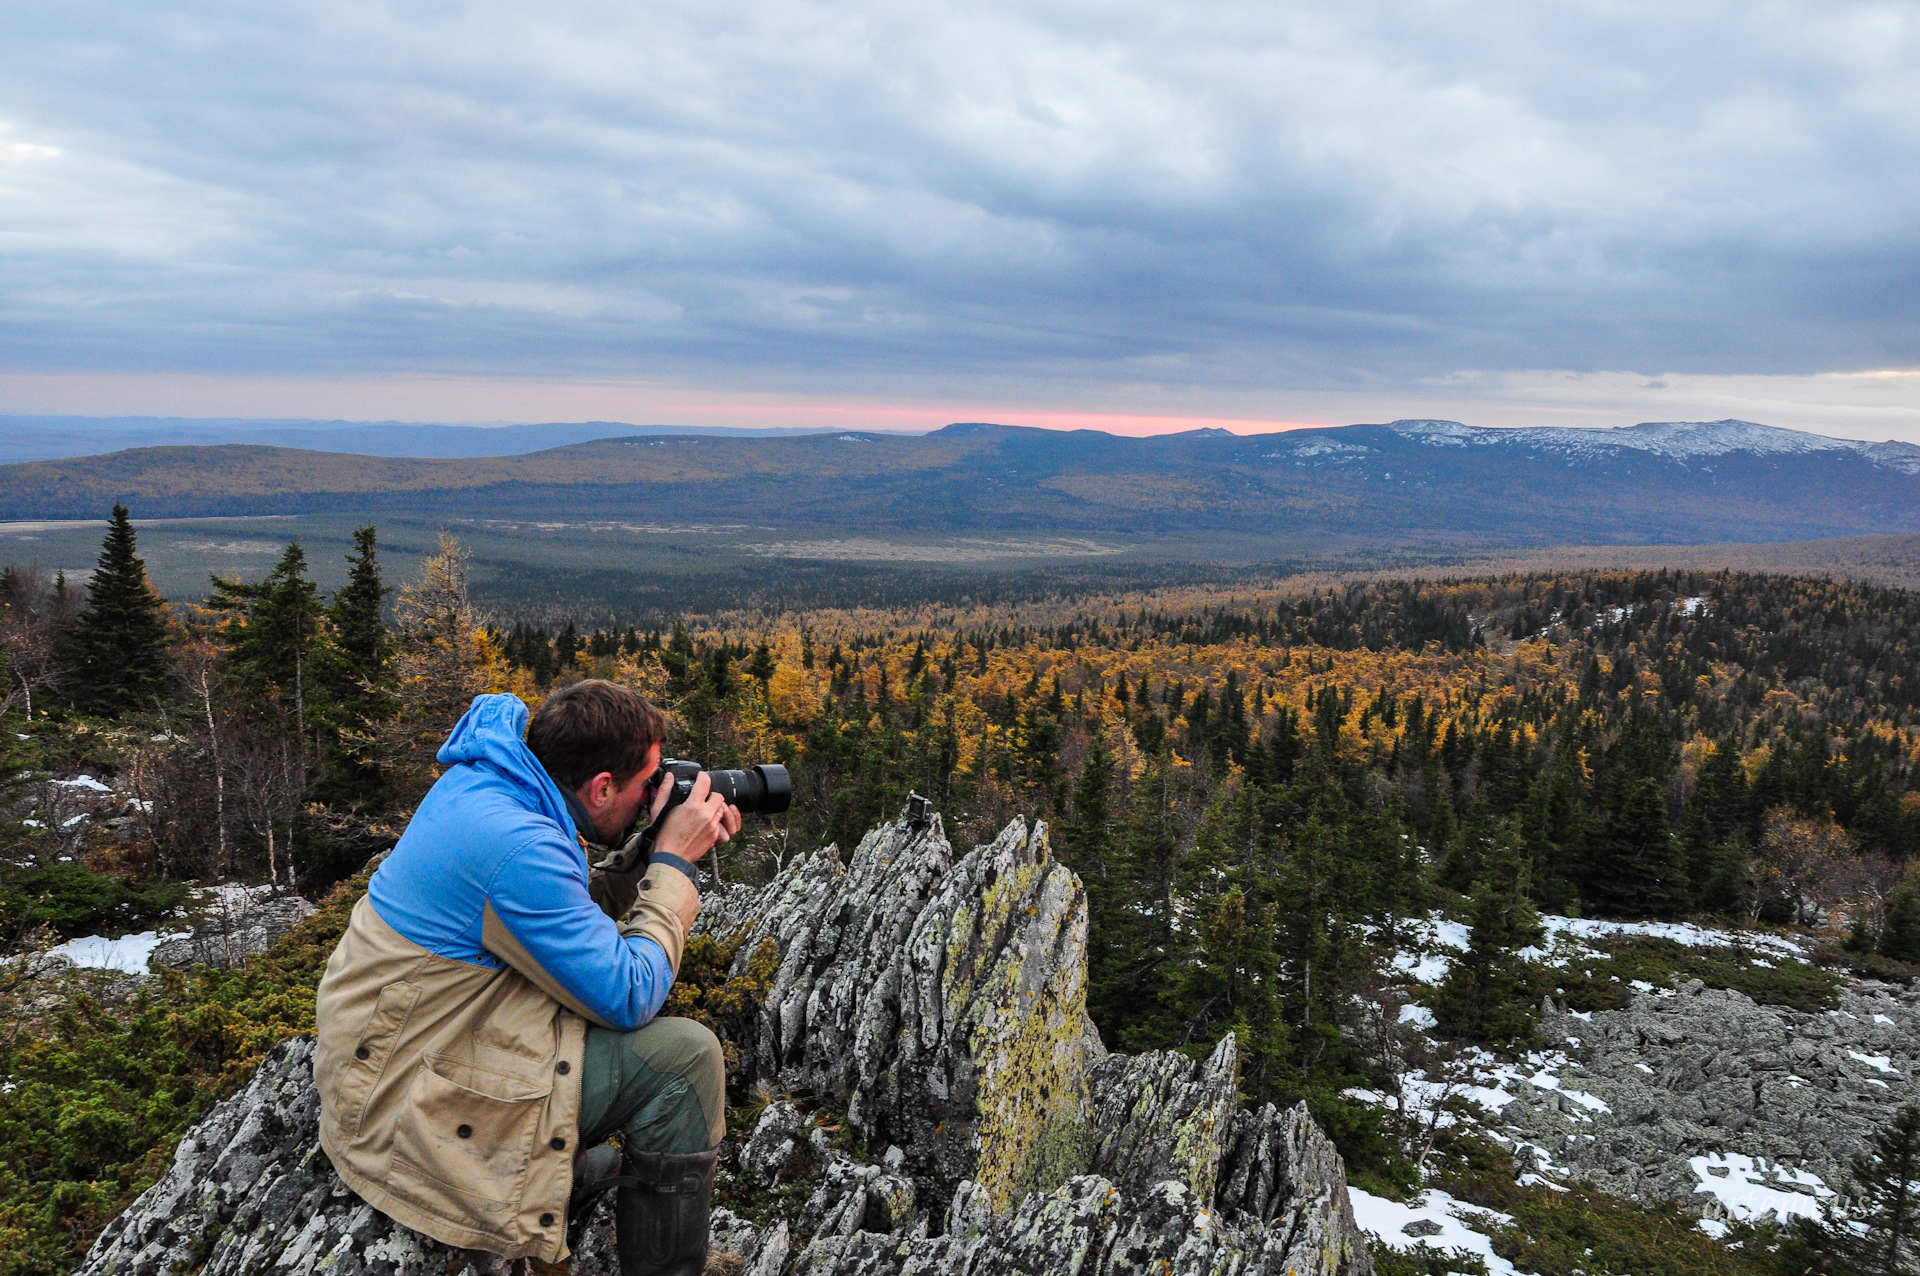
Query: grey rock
point(1423, 1227)
point(941, 999)
point(776, 1137)
point(1705, 1071)
point(225, 938)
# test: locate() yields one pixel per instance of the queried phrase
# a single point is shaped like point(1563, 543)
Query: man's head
point(601, 742)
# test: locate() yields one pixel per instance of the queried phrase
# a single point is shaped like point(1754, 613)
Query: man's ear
point(595, 792)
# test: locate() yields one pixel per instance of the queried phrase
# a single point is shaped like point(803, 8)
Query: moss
point(1581, 1232)
point(1604, 982)
point(99, 1092)
point(1026, 1035)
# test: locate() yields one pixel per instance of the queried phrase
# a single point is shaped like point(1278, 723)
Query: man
point(488, 1017)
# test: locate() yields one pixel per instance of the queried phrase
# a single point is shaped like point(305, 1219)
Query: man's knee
point(688, 1049)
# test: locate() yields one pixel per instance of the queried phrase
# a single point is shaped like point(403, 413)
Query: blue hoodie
point(494, 829)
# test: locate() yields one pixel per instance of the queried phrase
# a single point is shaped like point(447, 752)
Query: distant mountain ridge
point(1678, 440)
point(42, 438)
point(1412, 481)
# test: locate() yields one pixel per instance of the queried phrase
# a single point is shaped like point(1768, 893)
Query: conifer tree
point(1900, 931)
point(1483, 998)
point(354, 671)
point(1638, 867)
point(114, 657)
point(274, 627)
point(1886, 1183)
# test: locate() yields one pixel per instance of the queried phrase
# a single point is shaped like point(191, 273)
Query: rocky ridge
point(941, 1000)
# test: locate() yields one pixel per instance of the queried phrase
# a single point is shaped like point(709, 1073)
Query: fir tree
point(1638, 867)
point(1885, 1184)
point(114, 657)
point(1900, 932)
point(353, 670)
point(1484, 997)
point(271, 635)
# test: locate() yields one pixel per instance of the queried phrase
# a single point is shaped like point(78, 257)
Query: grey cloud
point(1325, 193)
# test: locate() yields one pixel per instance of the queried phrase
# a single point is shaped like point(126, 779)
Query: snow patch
point(128, 953)
point(1751, 1190)
point(1460, 1224)
point(1879, 1062)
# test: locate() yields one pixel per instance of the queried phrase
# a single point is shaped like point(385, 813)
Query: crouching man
point(488, 1019)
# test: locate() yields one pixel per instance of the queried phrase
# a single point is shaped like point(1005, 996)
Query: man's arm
point(541, 920)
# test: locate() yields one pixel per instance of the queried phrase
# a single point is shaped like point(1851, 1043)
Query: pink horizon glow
point(905, 418)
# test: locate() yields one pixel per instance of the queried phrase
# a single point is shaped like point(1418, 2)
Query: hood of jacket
point(492, 733)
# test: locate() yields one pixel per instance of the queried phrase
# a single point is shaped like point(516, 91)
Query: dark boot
point(661, 1217)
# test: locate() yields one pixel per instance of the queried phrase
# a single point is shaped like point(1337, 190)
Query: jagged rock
point(1161, 1116)
point(226, 937)
point(776, 1137)
point(1704, 1071)
point(942, 1001)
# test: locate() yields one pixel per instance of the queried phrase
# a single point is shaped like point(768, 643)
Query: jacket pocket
point(363, 1068)
point(463, 1144)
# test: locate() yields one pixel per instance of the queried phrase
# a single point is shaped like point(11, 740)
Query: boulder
point(225, 936)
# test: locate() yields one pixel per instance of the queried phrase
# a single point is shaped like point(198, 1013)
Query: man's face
point(615, 807)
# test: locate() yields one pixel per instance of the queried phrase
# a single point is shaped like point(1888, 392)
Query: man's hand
point(698, 824)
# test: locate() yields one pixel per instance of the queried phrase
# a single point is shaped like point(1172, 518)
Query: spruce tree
point(114, 658)
point(1638, 868)
point(353, 671)
point(1885, 1185)
point(1484, 996)
point(1900, 932)
point(270, 636)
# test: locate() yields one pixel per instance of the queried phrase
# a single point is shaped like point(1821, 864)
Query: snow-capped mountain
point(1675, 440)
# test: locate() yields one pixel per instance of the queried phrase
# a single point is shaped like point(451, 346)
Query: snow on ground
point(128, 953)
point(1428, 969)
point(1750, 1189)
point(1429, 941)
point(1584, 928)
point(84, 782)
point(1880, 1062)
point(1459, 1224)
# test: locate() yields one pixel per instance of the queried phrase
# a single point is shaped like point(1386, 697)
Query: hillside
point(1426, 482)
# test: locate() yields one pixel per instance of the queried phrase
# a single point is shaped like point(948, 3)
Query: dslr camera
point(758, 790)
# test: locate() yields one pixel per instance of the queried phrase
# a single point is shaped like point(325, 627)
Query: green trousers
point(663, 1087)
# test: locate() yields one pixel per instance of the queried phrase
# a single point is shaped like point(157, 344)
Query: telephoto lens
point(759, 790)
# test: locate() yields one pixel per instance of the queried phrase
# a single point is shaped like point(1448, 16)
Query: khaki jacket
point(450, 1091)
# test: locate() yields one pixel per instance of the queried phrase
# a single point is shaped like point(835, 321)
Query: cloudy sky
point(1136, 215)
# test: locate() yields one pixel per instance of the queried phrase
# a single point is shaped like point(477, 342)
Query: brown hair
point(594, 726)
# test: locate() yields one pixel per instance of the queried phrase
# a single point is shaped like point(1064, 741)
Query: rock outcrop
point(227, 934)
point(938, 1002)
point(1705, 1072)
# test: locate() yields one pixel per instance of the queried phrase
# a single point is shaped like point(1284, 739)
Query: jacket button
point(361, 1052)
point(646, 883)
point(546, 1220)
point(465, 1131)
point(564, 1068)
point(559, 1144)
